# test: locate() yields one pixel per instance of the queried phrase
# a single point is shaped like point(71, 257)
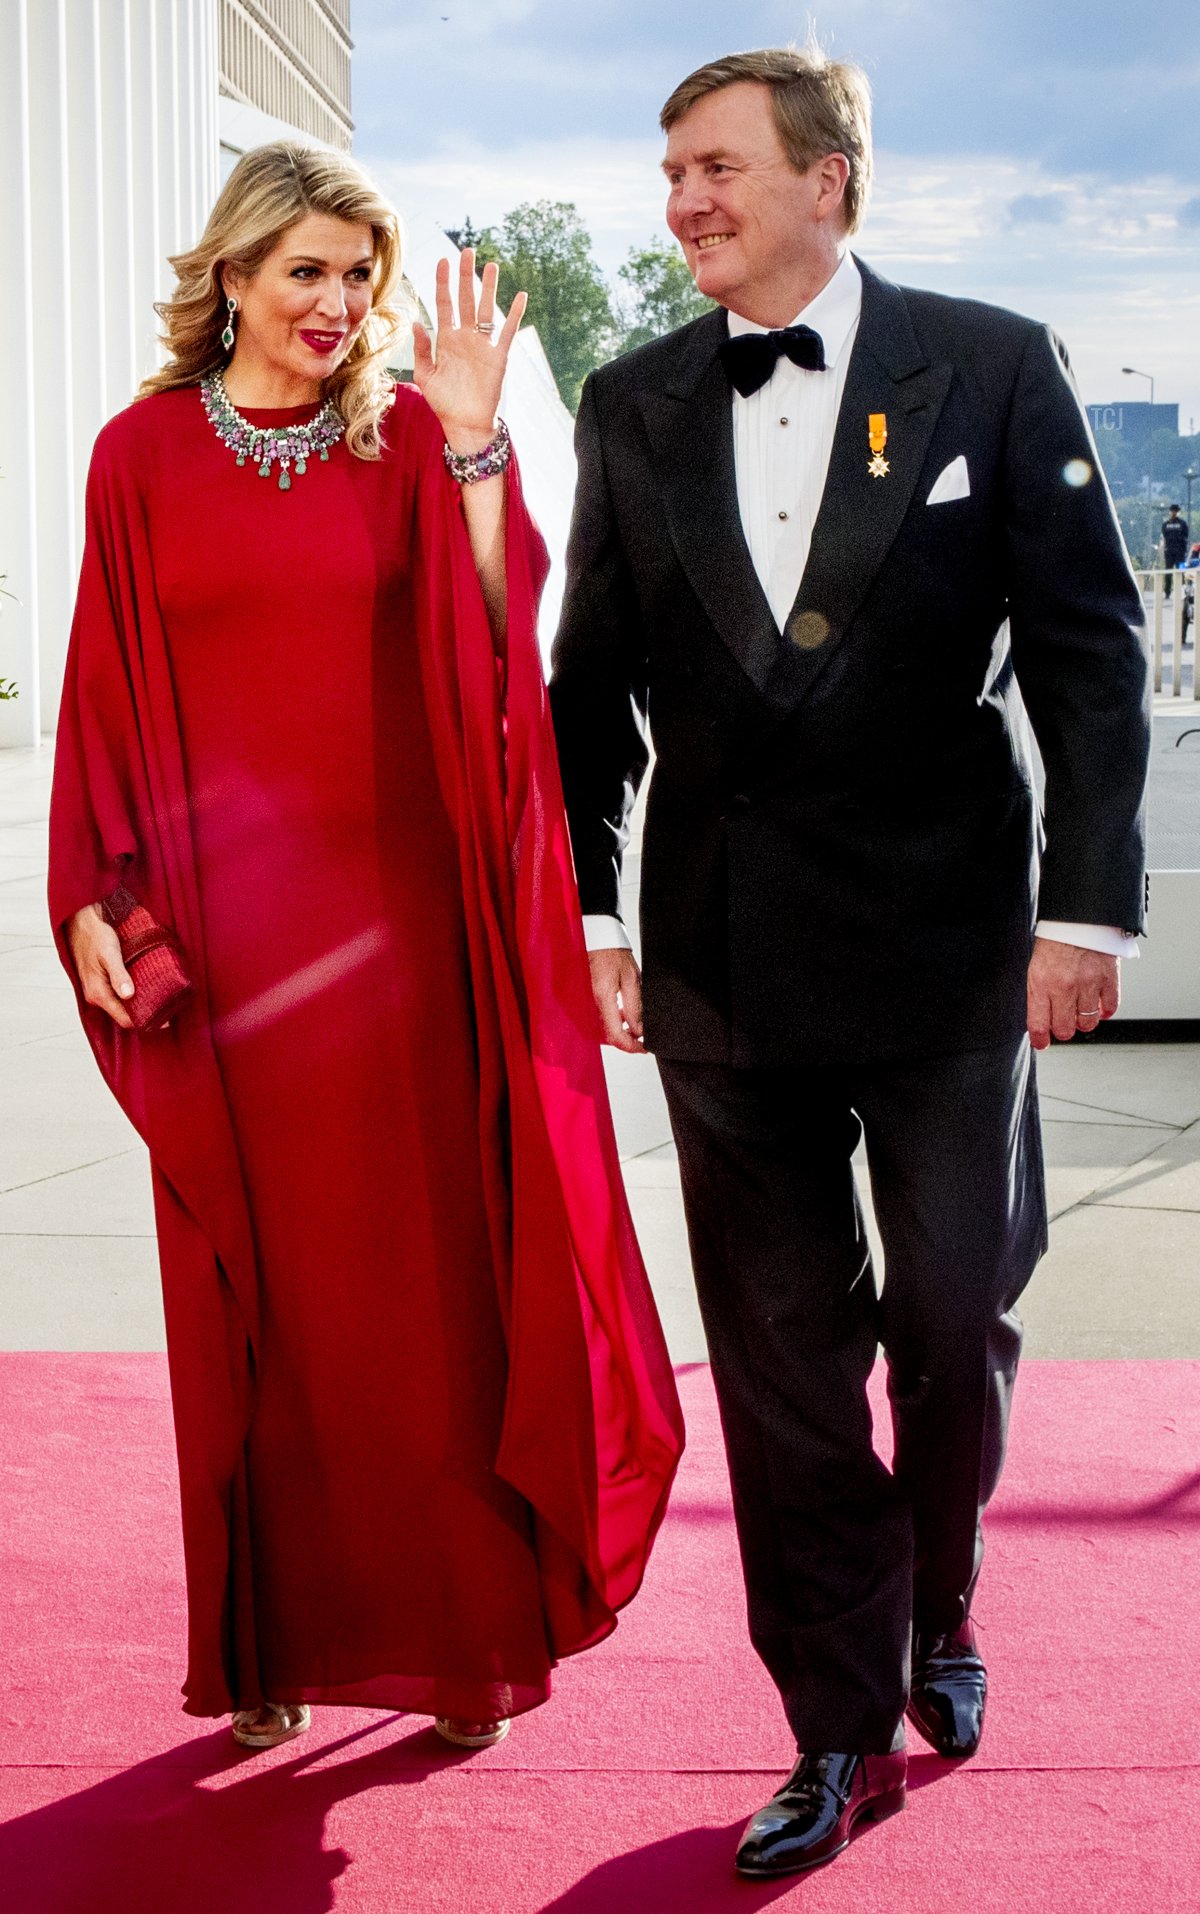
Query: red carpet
point(628, 1790)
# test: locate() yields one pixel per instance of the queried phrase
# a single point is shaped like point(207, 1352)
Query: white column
point(19, 718)
point(193, 68)
point(209, 82)
point(85, 229)
point(170, 172)
point(54, 495)
point(116, 151)
point(145, 128)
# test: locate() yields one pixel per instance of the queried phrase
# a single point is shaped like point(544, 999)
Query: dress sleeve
point(95, 793)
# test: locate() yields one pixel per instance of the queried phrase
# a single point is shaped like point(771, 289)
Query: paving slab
point(29, 1012)
point(1060, 1109)
point(24, 917)
point(57, 1113)
point(1150, 1082)
point(80, 1292)
point(658, 1220)
point(638, 1105)
point(32, 966)
point(1167, 1179)
point(20, 867)
point(1116, 1285)
point(108, 1198)
point(29, 885)
point(1083, 1159)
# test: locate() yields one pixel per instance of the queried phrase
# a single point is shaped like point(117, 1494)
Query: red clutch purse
point(151, 955)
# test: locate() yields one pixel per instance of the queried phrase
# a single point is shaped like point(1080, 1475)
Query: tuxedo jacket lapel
point(690, 427)
point(689, 423)
point(860, 515)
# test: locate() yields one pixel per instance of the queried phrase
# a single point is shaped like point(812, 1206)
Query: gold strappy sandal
point(293, 1717)
point(471, 1734)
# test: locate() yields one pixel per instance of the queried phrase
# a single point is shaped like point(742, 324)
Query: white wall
point(108, 154)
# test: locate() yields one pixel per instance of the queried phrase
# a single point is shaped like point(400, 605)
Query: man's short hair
point(820, 106)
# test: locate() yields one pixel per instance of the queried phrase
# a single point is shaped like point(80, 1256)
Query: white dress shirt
point(783, 438)
point(782, 441)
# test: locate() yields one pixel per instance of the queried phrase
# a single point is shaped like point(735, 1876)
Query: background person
point(802, 522)
point(304, 723)
point(1174, 543)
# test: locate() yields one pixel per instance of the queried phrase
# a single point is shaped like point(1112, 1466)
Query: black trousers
point(841, 1556)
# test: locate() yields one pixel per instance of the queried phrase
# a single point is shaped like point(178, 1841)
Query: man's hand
point(1069, 989)
point(617, 988)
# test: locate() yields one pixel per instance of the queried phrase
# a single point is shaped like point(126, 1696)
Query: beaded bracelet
point(469, 467)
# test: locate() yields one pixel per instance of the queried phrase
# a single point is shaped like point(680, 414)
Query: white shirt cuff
point(1102, 937)
point(605, 933)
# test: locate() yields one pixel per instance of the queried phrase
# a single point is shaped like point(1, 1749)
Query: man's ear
point(833, 177)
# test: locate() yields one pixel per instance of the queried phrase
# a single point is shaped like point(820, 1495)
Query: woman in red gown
point(425, 1420)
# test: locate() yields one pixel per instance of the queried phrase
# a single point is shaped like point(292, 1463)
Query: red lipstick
point(324, 342)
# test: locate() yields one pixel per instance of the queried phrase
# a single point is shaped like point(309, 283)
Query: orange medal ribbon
point(877, 435)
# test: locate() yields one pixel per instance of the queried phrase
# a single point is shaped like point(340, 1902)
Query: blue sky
point(1041, 153)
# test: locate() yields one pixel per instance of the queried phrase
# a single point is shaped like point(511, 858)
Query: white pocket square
point(954, 482)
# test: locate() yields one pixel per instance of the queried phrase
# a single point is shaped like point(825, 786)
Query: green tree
point(1138, 526)
point(1127, 466)
point(1123, 467)
point(544, 249)
point(463, 236)
point(660, 293)
point(1173, 454)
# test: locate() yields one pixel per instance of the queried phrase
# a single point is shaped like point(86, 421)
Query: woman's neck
point(258, 385)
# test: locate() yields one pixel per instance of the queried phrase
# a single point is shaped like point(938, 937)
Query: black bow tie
point(750, 358)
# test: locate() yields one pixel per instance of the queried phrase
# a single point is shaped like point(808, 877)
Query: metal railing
point(1171, 627)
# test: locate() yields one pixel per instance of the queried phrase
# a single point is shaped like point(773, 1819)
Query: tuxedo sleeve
point(598, 684)
point(1075, 617)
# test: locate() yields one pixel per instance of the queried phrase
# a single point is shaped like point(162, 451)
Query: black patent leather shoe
point(811, 1818)
point(949, 1690)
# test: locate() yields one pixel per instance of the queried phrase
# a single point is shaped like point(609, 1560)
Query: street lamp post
point(1188, 476)
point(1131, 372)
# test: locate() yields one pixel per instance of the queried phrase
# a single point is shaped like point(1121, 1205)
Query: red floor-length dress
point(366, 1540)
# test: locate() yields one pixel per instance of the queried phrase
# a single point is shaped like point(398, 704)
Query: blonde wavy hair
point(268, 190)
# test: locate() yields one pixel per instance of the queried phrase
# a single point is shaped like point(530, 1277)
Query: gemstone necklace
point(269, 445)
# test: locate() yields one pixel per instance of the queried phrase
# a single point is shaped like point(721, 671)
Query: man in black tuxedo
point(821, 536)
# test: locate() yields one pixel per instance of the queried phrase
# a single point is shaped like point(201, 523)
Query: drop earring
point(227, 335)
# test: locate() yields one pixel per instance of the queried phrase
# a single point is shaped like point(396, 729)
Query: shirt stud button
point(783, 514)
point(783, 421)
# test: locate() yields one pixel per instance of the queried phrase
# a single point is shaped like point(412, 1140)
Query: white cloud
point(1116, 273)
point(616, 185)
